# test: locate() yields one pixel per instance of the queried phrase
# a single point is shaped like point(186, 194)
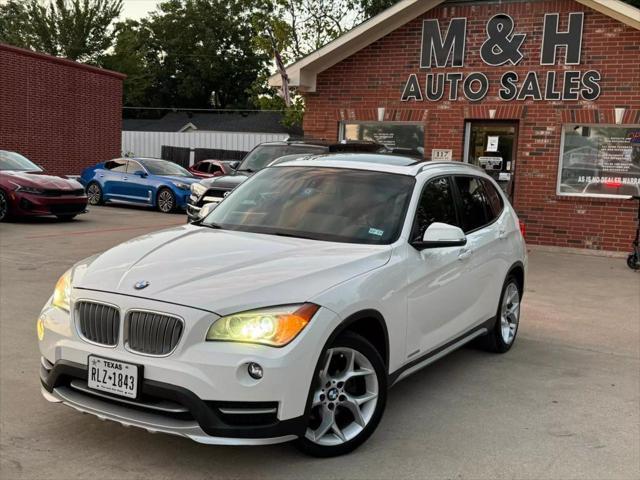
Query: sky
point(136, 9)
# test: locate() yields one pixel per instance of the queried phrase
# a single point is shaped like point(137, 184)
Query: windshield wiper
point(291, 235)
point(215, 226)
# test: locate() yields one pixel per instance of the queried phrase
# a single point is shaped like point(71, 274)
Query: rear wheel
point(166, 200)
point(503, 335)
point(94, 194)
point(348, 398)
point(4, 206)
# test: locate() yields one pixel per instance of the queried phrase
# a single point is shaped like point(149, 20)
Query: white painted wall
point(149, 144)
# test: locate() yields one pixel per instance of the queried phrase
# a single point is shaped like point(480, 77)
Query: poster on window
point(599, 160)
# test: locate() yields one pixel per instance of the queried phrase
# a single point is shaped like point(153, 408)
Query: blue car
point(139, 181)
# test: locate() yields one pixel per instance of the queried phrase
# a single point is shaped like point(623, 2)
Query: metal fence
point(149, 144)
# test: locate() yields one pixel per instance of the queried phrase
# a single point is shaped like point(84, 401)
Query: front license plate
point(112, 376)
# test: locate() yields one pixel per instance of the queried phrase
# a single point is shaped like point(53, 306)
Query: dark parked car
point(214, 189)
point(213, 168)
point(139, 181)
point(25, 190)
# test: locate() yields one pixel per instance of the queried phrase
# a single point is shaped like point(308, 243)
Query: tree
point(76, 29)
point(374, 7)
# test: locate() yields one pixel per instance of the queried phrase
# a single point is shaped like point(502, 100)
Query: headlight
point(62, 292)
point(275, 326)
point(181, 185)
point(198, 189)
point(32, 190)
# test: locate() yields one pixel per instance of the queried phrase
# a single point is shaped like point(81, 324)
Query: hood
point(178, 178)
point(39, 180)
point(226, 271)
point(227, 181)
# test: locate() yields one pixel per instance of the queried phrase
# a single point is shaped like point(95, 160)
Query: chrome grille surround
point(152, 333)
point(97, 322)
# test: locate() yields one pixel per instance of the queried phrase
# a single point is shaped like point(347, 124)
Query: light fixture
point(255, 371)
point(619, 112)
point(381, 112)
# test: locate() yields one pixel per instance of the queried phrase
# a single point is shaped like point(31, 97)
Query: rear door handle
point(465, 254)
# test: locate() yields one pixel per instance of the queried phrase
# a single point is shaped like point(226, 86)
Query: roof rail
point(449, 162)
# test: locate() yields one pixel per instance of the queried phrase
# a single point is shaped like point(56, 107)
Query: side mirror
point(140, 173)
point(441, 235)
point(234, 165)
point(204, 212)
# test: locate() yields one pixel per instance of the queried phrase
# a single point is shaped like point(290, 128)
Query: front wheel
point(4, 206)
point(633, 261)
point(94, 194)
point(347, 397)
point(166, 201)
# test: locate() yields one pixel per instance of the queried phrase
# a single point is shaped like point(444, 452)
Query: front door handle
point(125, 178)
point(465, 254)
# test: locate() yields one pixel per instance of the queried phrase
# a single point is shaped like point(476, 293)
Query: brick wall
point(60, 114)
point(375, 77)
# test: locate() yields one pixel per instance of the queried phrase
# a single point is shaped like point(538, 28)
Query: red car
point(213, 168)
point(26, 191)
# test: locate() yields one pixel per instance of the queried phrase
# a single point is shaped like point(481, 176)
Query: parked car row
point(156, 183)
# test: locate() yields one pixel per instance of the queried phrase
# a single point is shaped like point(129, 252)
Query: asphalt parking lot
point(564, 403)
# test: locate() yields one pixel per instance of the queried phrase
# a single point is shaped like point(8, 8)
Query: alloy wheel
point(345, 398)
point(165, 201)
point(4, 207)
point(94, 194)
point(510, 313)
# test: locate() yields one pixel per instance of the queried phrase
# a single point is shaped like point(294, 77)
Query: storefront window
point(600, 160)
point(399, 137)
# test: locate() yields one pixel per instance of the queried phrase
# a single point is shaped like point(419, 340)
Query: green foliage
point(76, 29)
point(374, 7)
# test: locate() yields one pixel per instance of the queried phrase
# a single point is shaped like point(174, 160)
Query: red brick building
point(544, 94)
point(60, 114)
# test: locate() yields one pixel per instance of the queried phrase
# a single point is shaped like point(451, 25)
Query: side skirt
point(436, 354)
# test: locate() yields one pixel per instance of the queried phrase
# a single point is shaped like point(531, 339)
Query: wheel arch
point(517, 270)
point(369, 324)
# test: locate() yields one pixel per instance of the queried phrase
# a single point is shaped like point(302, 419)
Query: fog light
point(255, 371)
point(40, 329)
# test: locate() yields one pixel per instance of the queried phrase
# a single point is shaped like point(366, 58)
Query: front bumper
point(199, 377)
point(26, 204)
point(170, 409)
point(195, 203)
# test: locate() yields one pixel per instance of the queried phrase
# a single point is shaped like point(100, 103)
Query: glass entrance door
point(492, 147)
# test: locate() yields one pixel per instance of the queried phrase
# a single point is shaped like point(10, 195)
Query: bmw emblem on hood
point(141, 284)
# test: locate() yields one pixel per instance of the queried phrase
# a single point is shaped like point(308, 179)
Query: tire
point(65, 218)
point(503, 335)
point(4, 206)
point(94, 194)
point(166, 200)
point(332, 428)
point(633, 261)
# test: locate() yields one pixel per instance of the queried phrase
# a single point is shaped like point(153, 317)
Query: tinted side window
point(436, 205)
point(202, 167)
point(495, 200)
point(475, 208)
point(213, 168)
point(116, 166)
point(133, 167)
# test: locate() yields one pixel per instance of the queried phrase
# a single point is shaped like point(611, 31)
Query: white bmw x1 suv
point(290, 309)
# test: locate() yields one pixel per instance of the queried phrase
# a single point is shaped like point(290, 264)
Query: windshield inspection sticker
point(375, 231)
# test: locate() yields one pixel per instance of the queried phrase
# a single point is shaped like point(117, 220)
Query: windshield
point(15, 162)
point(164, 168)
point(340, 205)
point(263, 155)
